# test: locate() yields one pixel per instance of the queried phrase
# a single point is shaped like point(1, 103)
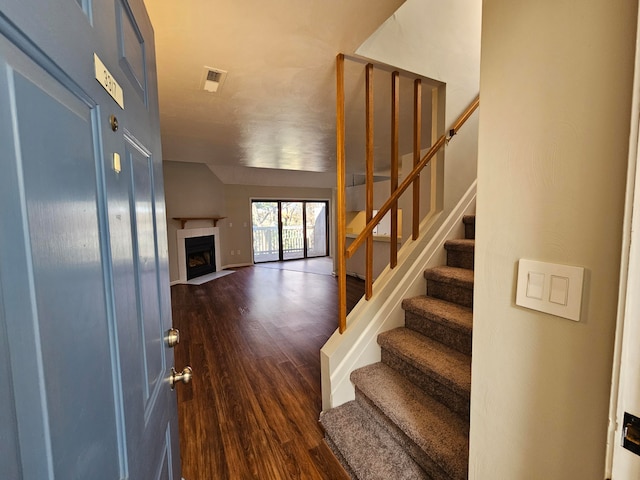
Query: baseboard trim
point(236, 265)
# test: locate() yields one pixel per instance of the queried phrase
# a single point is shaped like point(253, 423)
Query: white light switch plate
point(550, 288)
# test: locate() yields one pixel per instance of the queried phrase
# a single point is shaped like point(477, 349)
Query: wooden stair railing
point(391, 204)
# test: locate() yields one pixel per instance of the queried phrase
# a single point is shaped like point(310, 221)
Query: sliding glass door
point(316, 232)
point(266, 234)
point(292, 230)
point(289, 230)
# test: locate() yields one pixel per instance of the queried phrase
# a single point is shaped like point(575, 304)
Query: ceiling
point(276, 106)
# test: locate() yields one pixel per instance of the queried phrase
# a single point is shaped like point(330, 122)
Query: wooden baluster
point(407, 182)
point(369, 180)
point(341, 196)
point(395, 113)
point(417, 132)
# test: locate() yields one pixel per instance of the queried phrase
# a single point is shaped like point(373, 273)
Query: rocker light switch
point(559, 290)
point(550, 288)
point(535, 285)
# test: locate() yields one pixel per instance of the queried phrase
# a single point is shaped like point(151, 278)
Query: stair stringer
point(358, 346)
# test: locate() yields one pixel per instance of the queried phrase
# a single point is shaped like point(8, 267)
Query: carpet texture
point(410, 418)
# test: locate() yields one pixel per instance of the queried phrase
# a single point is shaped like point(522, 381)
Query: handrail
point(368, 229)
point(413, 179)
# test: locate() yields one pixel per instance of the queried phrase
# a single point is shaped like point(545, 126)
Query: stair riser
point(456, 401)
point(460, 341)
point(432, 469)
point(450, 293)
point(470, 230)
point(460, 259)
point(469, 226)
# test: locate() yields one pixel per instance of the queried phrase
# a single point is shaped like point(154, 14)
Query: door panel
point(266, 234)
point(83, 258)
point(59, 261)
point(67, 277)
point(142, 220)
point(292, 230)
point(131, 49)
point(8, 428)
point(127, 309)
point(140, 331)
point(19, 306)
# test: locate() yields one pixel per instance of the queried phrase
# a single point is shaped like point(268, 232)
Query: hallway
point(253, 340)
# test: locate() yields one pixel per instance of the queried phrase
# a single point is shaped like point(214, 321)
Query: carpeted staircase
point(410, 418)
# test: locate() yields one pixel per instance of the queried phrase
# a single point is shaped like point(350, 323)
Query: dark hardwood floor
point(253, 339)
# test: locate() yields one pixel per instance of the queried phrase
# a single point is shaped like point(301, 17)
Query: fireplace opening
point(200, 255)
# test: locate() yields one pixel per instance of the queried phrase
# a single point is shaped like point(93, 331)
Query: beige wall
point(237, 227)
point(556, 81)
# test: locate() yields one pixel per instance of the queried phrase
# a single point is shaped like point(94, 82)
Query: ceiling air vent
point(213, 79)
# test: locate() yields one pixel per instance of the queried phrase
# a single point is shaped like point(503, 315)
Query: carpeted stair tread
point(371, 451)
point(452, 284)
point(434, 359)
point(438, 432)
point(459, 277)
point(449, 314)
point(461, 244)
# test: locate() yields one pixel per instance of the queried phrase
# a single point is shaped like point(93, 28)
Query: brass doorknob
point(184, 376)
point(173, 337)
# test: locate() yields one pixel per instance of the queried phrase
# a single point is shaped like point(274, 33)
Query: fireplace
point(200, 256)
point(197, 257)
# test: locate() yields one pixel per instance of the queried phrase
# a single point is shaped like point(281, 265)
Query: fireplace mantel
point(184, 220)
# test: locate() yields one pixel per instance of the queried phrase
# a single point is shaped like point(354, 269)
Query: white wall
point(556, 81)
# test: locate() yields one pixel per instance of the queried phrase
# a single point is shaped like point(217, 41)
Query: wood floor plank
point(253, 339)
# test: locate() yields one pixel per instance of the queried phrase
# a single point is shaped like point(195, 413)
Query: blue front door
point(84, 296)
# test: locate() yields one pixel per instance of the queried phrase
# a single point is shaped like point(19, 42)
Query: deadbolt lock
point(173, 337)
point(114, 122)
